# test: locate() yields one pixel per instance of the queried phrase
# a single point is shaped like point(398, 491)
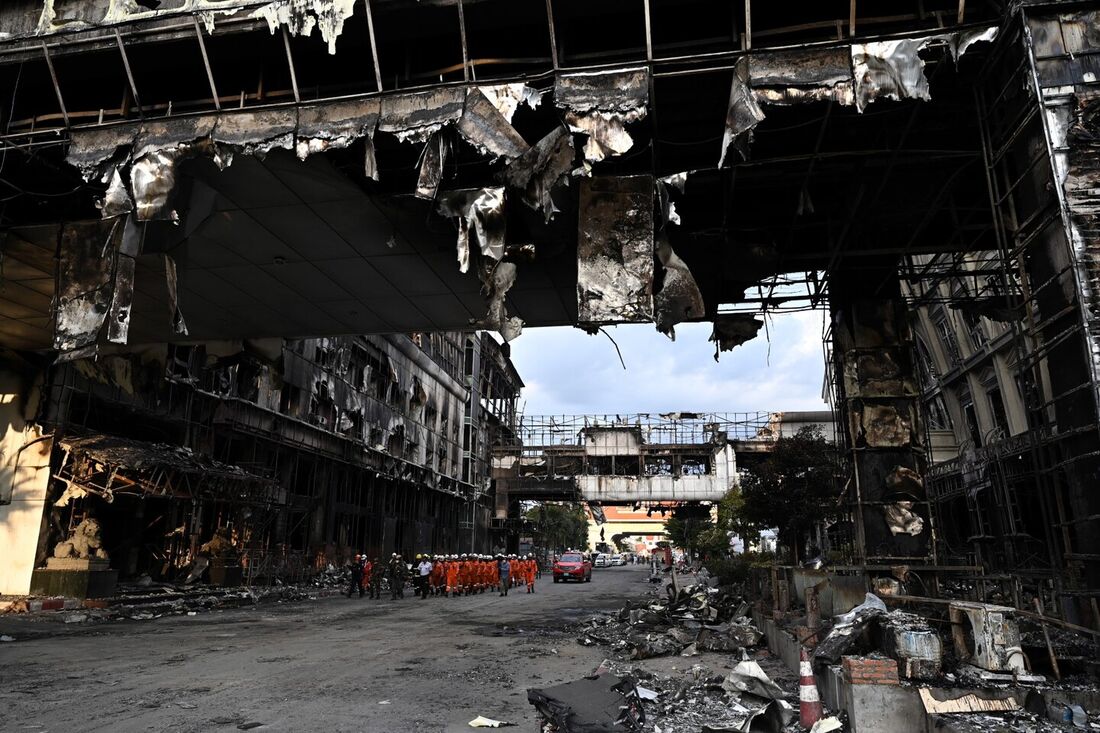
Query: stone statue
point(85, 542)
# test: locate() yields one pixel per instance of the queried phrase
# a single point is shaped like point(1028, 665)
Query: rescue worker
point(482, 574)
point(424, 570)
point(377, 573)
point(438, 578)
point(532, 568)
point(504, 571)
point(356, 568)
point(368, 568)
point(465, 573)
point(452, 576)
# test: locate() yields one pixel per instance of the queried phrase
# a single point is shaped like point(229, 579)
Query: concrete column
point(878, 401)
point(24, 479)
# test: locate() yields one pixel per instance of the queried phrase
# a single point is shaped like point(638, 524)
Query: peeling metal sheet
point(326, 126)
point(904, 483)
point(601, 104)
point(154, 178)
point(617, 90)
point(676, 180)
point(881, 426)
point(432, 161)
point(733, 329)
point(960, 42)
point(415, 116)
point(901, 519)
point(1078, 170)
point(173, 133)
point(484, 127)
point(802, 76)
point(87, 257)
point(508, 97)
point(679, 298)
point(91, 150)
point(889, 69)
point(117, 201)
point(300, 17)
point(370, 162)
point(179, 326)
point(499, 279)
point(743, 113)
point(483, 208)
point(606, 131)
point(615, 250)
point(540, 169)
point(257, 133)
point(97, 13)
point(118, 319)
point(895, 70)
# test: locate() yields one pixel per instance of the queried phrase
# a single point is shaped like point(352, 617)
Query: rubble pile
point(697, 618)
point(332, 577)
point(695, 698)
point(144, 601)
point(730, 692)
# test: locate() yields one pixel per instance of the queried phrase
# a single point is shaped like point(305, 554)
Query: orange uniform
point(465, 571)
point(436, 578)
point(452, 576)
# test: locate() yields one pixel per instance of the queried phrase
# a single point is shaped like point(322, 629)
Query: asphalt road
point(333, 664)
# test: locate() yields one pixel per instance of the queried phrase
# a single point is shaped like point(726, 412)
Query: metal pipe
point(206, 63)
point(465, 51)
point(290, 65)
point(56, 86)
point(553, 37)
point(129, 72)
point(373, 46)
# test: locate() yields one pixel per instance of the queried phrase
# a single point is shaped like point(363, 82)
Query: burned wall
point(879, 403)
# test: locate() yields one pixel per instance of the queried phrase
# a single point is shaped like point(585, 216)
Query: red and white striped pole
point(809, 703)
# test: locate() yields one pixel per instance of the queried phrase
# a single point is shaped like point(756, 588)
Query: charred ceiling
point(249, 147)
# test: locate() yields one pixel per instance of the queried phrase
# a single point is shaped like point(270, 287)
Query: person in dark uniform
point(377, 573)
point(356, 567)
point(397, 577)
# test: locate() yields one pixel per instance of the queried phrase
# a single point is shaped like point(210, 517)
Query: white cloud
point(568, 371)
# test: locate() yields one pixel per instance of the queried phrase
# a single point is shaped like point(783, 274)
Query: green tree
point(559, 526)
point(791, 490)
point(689, 530)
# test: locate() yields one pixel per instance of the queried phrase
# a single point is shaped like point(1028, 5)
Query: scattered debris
point(602, 702)
point(483, 722)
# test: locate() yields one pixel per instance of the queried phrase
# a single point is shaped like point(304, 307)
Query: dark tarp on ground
point(603, 704)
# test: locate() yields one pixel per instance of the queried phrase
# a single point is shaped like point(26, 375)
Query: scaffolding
point(670, 428)
point(1016, 491)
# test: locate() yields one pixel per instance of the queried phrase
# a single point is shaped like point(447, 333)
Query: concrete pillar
point(878, 402)
point(24, 478)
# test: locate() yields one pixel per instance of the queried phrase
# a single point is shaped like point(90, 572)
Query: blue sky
point(569, 372)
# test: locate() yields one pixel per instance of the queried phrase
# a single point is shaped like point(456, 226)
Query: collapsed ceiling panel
point(615, 250)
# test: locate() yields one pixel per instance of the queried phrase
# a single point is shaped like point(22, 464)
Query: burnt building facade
point(292, 453)
point(230, 170)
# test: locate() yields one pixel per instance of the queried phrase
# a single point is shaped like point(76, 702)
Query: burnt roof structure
point(290, 177)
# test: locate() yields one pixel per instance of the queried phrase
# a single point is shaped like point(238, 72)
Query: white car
point(617, 560)
point(602, 561)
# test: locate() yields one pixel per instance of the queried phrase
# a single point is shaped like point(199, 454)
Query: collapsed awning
point(106, 465)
